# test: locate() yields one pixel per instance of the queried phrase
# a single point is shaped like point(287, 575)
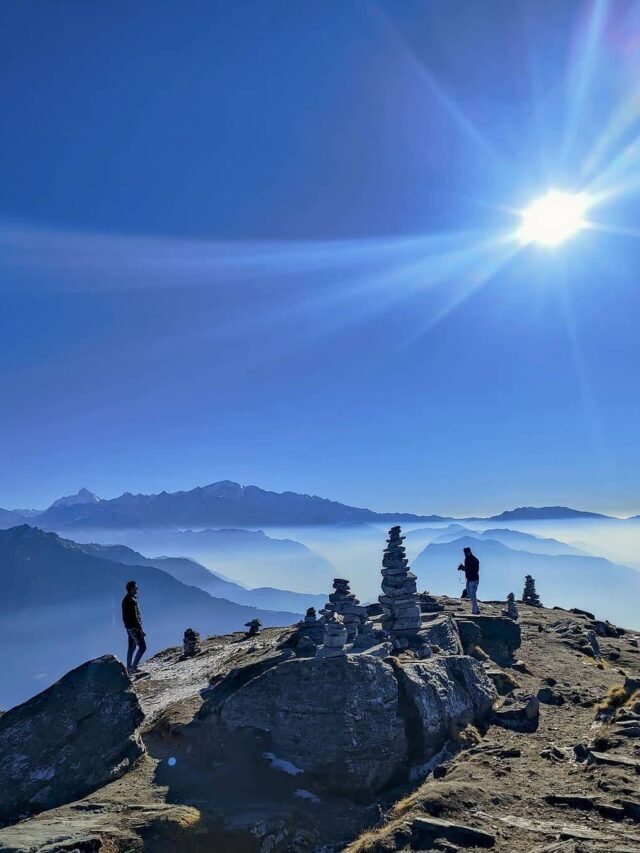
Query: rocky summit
point(514, 736)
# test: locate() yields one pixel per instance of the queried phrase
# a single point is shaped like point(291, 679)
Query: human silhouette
point(133, 625)
point(471, 569)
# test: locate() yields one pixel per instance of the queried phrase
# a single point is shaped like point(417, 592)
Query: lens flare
point(554, 218)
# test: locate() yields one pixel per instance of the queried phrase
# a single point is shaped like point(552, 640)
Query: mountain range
point(230, 504)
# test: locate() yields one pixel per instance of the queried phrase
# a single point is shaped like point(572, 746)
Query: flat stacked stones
point(512, 610)
point(190, 643)
point(401, 611)
point(254, 626)
point(335, 634)
point(312, 627)
point(344, 602)
point(530, 596)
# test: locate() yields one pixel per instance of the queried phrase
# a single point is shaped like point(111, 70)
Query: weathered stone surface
point(441, 631)
point(440, 693)
point(500, 638)
point(335, 718)
point(523, 716)
point(70, 739)
point(426, 829)
point(470, 633)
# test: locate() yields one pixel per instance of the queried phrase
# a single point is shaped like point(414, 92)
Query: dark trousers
point(136, 641)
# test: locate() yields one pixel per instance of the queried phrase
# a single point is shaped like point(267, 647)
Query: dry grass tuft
point(615, 698)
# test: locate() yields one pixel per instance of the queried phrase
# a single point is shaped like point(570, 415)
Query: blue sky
point(269, 241)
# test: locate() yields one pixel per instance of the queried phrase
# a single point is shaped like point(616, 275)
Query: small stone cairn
point(335, 634)
point(254, 626)
point(190, 643)
point(401, 611)
point(530, 596)
point(312, 627)
point(344, 602)
point(512, 610)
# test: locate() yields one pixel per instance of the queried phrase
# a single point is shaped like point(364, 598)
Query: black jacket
point(130, 612)
point(471, 567)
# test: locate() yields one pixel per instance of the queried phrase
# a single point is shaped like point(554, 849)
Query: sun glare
point(553, 218)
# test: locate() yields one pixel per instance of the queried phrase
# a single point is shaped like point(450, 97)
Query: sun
point(553, 218)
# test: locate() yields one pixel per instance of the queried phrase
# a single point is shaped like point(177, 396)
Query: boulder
point(72, 738)
point(521, 716)
point(500, 636)
point(439, 695)
point(426, 830)
point(333, 718)
point(470, 634)
point(441, 631)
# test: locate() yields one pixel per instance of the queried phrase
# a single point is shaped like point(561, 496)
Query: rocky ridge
point(490, 732)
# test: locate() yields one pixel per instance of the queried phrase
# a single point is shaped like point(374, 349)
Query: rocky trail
point(478, 742)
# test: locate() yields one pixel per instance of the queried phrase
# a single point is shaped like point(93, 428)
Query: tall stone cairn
point(530, 596)
point(312, 627)
point(344, 602)
point(512, 609)
point(400, 607)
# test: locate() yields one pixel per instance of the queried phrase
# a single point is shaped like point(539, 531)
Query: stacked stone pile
point(401, 611)
point(254, 626)
point(344, 602)
point(311, 627)
point(335, 634)
point(191, 643)
point(530, 596)
point(512, 609)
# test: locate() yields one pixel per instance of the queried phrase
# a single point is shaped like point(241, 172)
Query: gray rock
point(426, 829)
point(500, 638)
point(523, 716)
point(441, 693)
point(72, 738)
point(470, 634)
point(443, 632)
point(334, 718)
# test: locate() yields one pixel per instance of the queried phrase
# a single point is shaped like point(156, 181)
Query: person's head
point(132, 587)
point(467, 550)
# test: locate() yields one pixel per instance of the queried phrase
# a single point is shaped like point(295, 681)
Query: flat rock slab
point(613, 760)
point(426, 829)
point(72, 738)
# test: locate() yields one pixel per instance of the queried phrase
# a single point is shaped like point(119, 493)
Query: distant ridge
point(541, 513)
point(222, 504)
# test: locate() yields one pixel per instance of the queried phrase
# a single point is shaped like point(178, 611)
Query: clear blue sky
point(257, 241)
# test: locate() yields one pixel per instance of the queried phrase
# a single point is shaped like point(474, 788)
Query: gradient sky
point(269, 241)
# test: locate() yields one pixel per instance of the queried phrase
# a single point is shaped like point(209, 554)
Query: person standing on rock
point(471, 570)
point(133, 625)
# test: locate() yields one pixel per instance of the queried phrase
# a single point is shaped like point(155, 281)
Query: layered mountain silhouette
point(61, 605)
point(543, 513)
point(220, 504)
point(566, 580)
point(192, 573)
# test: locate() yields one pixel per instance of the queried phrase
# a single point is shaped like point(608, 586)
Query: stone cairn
point(344, 602)
point(254, 626)
point(191, 643)
point(312, 627)
point(512, 609)
point(530, 596)
point(335, 634)
point(400, 608)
